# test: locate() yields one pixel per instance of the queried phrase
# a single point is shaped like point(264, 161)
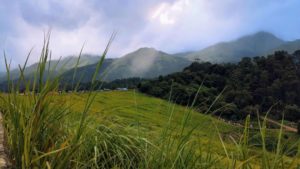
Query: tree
point(298, 127)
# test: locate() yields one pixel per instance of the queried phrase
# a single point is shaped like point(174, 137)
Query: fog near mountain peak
point(142, 60)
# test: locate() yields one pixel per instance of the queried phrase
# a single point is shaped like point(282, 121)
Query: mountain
point(142, 63)
point(290, 47)
point(251, 45)
point(85, 73)
point(57, 66)
point(149, 62)
point(145, 63)
point(182, 54)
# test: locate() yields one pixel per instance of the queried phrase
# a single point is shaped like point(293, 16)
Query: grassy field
point(147, 117)
point(130, 114)
point(151, 113)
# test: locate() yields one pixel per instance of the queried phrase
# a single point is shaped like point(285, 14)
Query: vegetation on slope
point(84, 74)
point(252, 86)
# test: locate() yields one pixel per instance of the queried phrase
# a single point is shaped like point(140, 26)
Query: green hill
point(85, 73)
point(254, 85)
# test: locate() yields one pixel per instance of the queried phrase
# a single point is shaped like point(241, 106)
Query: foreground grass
point(147, 117)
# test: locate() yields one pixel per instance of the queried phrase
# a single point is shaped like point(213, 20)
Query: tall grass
point(40, 134)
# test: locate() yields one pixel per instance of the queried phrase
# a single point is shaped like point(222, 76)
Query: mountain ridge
point(148, 62)
point(232, 51)
point(57, 66)
point(145, 63)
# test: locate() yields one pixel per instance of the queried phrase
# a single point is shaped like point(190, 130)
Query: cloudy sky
point(168, 25)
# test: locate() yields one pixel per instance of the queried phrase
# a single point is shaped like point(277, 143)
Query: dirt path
point(284, 127)
point(4, 162)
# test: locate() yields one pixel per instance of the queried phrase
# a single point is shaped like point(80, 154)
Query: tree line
point(253, 86)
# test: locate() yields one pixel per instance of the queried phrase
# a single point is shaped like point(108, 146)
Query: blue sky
point(168, 25)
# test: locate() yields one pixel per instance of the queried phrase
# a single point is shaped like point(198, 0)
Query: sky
point(168, 25)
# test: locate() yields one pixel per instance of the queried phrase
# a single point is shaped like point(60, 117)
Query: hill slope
point(251, 86)
point(57, 66)
point(251, 45)
point(85, 73)
point(145, 63)
point(290, 47)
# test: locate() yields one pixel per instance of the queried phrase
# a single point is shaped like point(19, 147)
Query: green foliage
point(252, 85)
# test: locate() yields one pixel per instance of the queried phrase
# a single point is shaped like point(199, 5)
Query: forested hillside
point(254, 85)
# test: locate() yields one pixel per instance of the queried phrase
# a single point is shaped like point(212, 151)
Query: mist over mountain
point(145, 63)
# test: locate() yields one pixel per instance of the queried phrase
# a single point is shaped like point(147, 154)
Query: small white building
point(122, 89)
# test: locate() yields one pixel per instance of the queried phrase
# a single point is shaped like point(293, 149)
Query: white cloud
point(169, 25)
point(63, 41)
point(167, 13)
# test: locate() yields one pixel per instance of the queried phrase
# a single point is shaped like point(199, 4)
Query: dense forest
point(252, 86)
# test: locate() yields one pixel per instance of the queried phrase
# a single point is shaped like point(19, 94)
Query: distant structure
point(122, 89)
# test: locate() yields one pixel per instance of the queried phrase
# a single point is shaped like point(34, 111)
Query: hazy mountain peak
point(147, 48)
point(232, 51)
point(262, 36)
point(148, 51)
point(144, 53)
point(83, 56)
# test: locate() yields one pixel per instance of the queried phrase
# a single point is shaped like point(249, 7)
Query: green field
point(147, 117)
point(152, 129)
point(132, 107)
